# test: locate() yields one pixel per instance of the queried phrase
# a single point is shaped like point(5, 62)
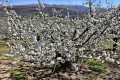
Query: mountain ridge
point(74, 10)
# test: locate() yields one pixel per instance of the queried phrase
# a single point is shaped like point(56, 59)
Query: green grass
point(2, 58)
point(96, 66)
point(93, 62)
point(4, 48)
point(105, 44)
point(18, 75)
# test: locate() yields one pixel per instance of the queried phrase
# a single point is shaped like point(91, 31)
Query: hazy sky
point(19, 2)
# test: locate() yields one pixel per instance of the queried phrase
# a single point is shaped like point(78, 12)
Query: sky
point(71, 2)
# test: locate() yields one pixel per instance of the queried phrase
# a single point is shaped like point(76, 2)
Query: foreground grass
point(3, 47)
point(105, 44)
point(98, 69)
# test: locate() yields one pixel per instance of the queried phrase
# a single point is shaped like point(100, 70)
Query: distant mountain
point(76, 8)
point(31, 8)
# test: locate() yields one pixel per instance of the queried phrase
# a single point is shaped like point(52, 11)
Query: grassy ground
point(105, 44)
point(6, 64)
point(3, 47)
point(90, 70)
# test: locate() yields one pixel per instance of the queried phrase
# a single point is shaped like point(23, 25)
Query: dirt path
point(4, 72)
point(5, 68)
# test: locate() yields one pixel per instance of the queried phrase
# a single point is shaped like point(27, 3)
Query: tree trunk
point(115, 39)
point(90, 7)
point(114, 44)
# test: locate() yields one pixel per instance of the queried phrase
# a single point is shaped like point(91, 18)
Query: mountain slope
point(74, 10)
